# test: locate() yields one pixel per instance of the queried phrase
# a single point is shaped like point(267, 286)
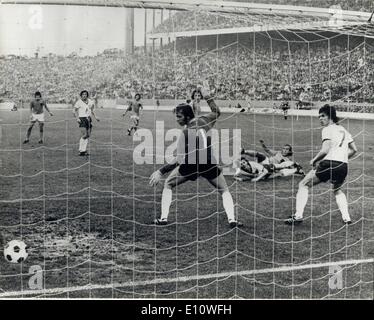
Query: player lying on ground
point(134, 107)
point(270, 156)
point(331, 162)
point(251, 171)
point(37, 107)
point(275, 163)
point(254, 171)
point(83, 110)
point(193, 145)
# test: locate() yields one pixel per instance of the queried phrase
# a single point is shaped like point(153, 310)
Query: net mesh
point(88, 221)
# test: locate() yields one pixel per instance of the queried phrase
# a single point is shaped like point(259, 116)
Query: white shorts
point(135, 119)
point(239, 172)
point(37, 117)
point(287, 172)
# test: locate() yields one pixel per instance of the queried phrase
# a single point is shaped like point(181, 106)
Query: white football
point(15, 251)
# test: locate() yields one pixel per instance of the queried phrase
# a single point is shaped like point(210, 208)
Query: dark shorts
point(260, 157)
point(334, 171)
point(304, 103)
point(85, 123)
point(269, 167)
point(193, 171)
point(285, 106)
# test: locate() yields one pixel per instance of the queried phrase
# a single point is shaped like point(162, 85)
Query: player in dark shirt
point(194, 159)
point(134, 107)
point(37, 107)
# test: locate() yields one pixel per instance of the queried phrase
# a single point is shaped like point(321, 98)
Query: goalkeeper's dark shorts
point(193, 171)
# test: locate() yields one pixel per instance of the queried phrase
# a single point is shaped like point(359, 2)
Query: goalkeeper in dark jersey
point(194, 159)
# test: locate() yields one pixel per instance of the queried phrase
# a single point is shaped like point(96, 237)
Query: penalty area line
point(143, 283)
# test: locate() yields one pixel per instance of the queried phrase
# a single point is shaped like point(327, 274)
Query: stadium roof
point(315, 27)
point(263, 17)
point(210, 5)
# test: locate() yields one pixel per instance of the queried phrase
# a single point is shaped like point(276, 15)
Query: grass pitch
point(88, 221)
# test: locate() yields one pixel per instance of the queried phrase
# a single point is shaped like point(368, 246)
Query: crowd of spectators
point(192, 21)
point(237, 71)
point(204, 20)
point(354, 5)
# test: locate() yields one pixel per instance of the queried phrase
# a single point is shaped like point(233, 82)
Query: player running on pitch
point(285, 105)
point(37, 107)
point(134, 107)
point(83, 110)
point(331, 164)
point(194, 145)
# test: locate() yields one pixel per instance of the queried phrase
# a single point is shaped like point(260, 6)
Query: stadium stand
point(256, 72)
point(200, 20)
point(354, 5)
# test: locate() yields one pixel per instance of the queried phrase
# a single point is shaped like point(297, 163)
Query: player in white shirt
point(250, 170)
point(337, 147)
point(83, 110)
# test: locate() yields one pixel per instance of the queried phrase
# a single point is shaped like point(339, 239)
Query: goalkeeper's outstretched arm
point(215, 111)
point(214, 114)
point(157, 175)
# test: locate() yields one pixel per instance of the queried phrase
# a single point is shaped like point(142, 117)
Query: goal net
point(88, 221)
